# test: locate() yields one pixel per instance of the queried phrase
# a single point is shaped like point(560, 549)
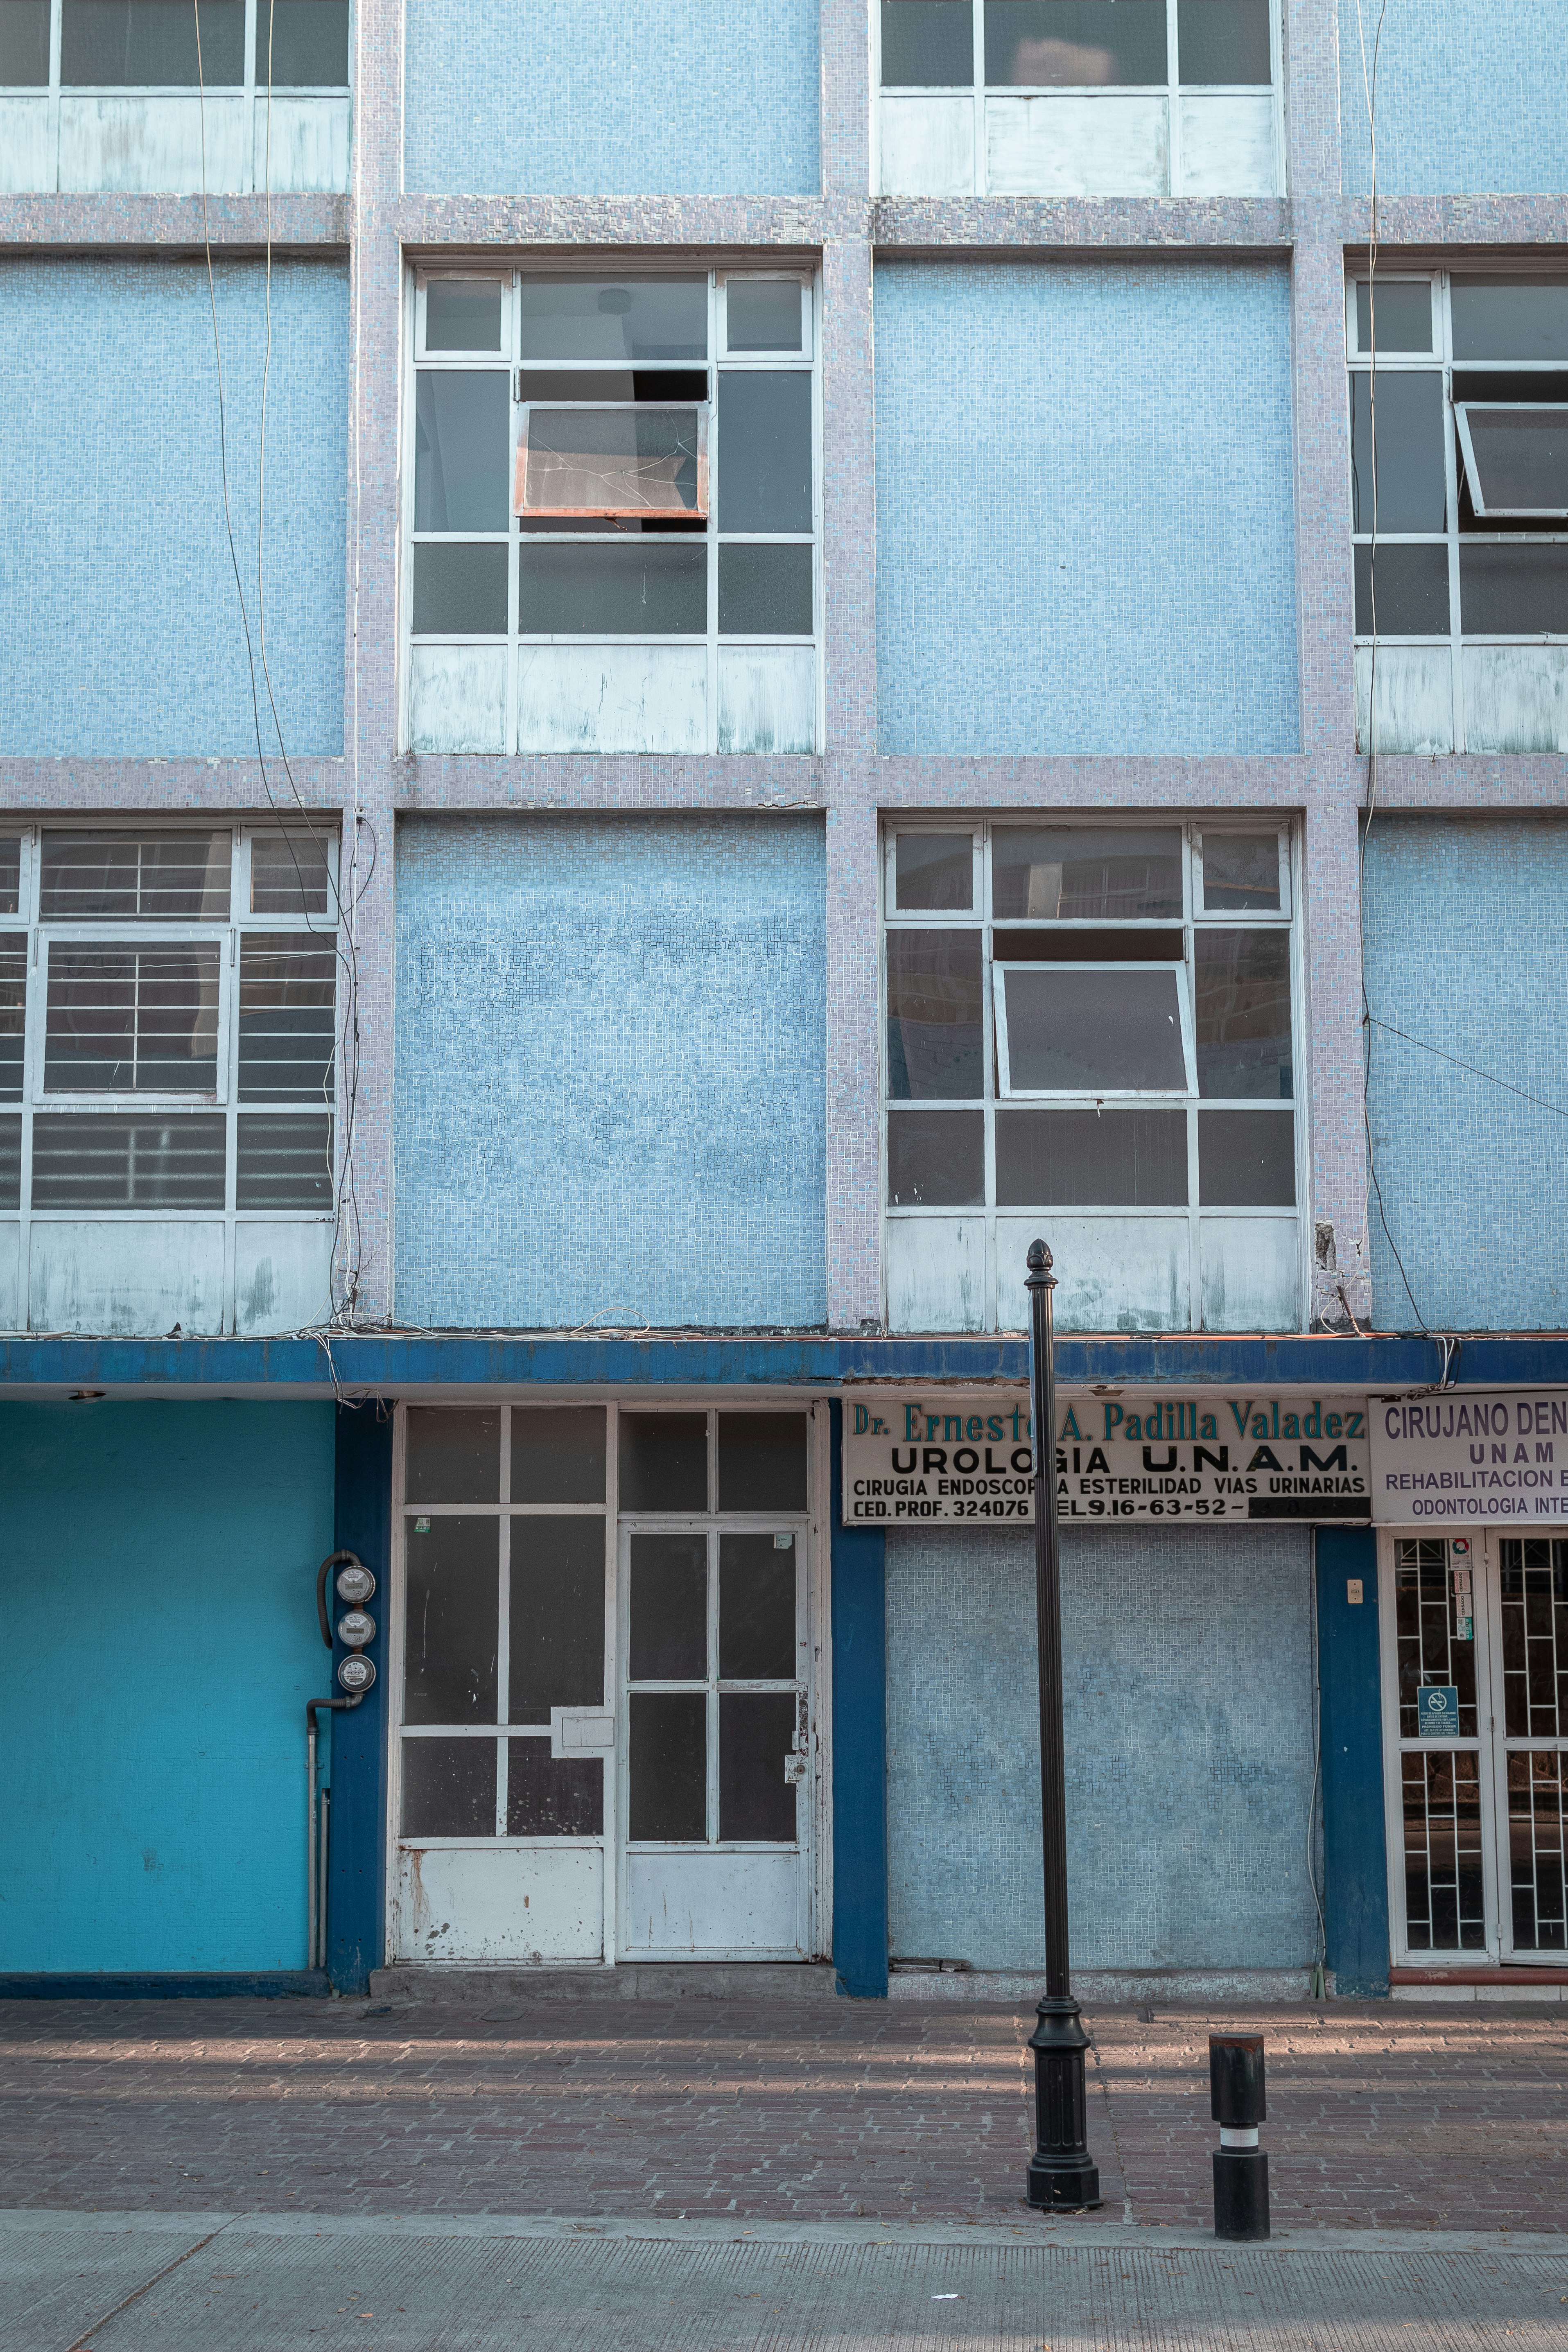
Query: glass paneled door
point(1475, 1643)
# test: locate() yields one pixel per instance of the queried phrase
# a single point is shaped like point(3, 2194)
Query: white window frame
point(992, 1099)
point(509, 359)
point(1472, 470)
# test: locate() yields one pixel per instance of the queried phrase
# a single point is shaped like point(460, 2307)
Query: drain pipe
point(316, 1929)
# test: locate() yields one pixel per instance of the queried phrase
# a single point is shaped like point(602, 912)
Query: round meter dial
point(355, 1585)
point(355, 1629)
point(356, 1673)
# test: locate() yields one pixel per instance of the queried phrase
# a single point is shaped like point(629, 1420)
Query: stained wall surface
point(1466, 952)
point(610, 1071)
point(587, 97)
point(158, 1618)
point(1085, 538)
point(1187, 1691)
point(1467, 97)
point(122, 621)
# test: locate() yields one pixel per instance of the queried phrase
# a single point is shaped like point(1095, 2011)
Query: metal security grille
point(131, 1019)
point(1430, 1651)
point(128, 1162)
point(1532, 1576)
point(180, 878)
point(1445, 1884)
point(287, 989)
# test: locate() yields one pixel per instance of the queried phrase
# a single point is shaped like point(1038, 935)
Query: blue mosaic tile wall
point(610, 1071)
point(1188, 1710)
point(123, 631)
point(1465, 923)
point(1469, 97)
point(1085, 535)
point(592, 98)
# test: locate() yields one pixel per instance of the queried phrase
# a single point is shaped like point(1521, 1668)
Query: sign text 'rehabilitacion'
point(948, 1456)
point(1470, 1457)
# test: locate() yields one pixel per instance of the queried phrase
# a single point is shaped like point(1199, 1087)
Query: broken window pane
point(1241, 872)
point(1087, 1031)
point(177, 877)
point(1401, 311)
point(667, 1609)
point(928, 45)
point(546, 1796)
point(453, 1456)
point(1087, 874)
point(24, 43)
point(451, 1617)
point(762, 314)
point(462, 424)
point(558, 1454)
point(761, 1462)
point(1524, 319)
point(936, 1160)
point(1402, 592)
point(664, 1461)
point(448, 1788)
point(1241, 1013)
point(1412, 493)
point(1515, 458)
point(627, 319)
point(935, 1020)
point(764, 451)
point(1074, 44)
point(302, 44)
point(557, 1617)
point(284, 1163)
point(1223, 41)
point(128, 1162)
point(10, 874)
point(11, 1161)
point(13, 1013)
point(1086, 1158)
point(756, 1732)
point(612, 461)
point(668, 1767)
point(933, 870)
point(291, 873)
point(640, 588)
point(1513, 588)
point(766, 592)
point(131, 1019)
point(135, 43)
point(462, 314)
point(459, 588)
point(287, 999)
point(1246, 1160)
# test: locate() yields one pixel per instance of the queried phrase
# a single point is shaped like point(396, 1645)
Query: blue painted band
point(1355, 1865)
point(859, 1749)
point(387, 1364)
point(305, 1984)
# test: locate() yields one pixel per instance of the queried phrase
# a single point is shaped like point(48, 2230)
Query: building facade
point(735, 665)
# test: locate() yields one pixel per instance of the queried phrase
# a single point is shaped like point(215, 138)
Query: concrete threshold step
point(486, 1988)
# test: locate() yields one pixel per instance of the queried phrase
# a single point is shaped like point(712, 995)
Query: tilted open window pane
point(1074, 44)
point(648, 459)
point(173, 877)
point(131, 1019)
point(928, 45)
point(1222, 42)
point(132, 1161)
point(141, 44)
point(935, 1015)
point(1515, 457)
point(1091, 1029)
point(13, 1013)
point(1242, 1014)
point(1087, 874)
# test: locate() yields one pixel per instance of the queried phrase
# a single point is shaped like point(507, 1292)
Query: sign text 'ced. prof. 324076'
point(957, 1455)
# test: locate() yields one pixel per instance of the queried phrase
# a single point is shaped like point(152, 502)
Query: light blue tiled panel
point(610, 1071)
point(1084, 507)
point(121, 616)
point(559, 98)
point(1188, 1707)
point(159, 1628)
point(1469, 97)
point(1467, 950)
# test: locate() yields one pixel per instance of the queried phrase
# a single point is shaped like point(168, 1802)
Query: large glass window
point(1096, 1018)
point(1459, 496)
point(613, 518)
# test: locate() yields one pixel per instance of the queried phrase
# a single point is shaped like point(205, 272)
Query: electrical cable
point(1486, 1076)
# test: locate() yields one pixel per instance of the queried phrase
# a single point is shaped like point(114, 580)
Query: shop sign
point(1470, 1457)
point(945, 1456)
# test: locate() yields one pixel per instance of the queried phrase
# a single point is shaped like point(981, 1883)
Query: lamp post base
point(1061, 2176)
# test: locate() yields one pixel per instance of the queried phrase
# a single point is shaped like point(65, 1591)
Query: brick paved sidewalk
point(1378, 2118)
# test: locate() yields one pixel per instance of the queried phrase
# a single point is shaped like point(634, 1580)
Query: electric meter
point(355, 1585)
point(356, 1673)
point(355, 1629)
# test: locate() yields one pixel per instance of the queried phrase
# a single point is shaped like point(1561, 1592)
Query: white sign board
point(1470, 1457)
point(947, 1455)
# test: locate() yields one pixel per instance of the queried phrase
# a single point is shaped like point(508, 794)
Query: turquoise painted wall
point(158, 1621)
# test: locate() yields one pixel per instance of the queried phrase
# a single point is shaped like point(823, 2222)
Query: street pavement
point(250, 2175)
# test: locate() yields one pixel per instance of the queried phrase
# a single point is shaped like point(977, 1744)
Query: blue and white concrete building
point(670, 678)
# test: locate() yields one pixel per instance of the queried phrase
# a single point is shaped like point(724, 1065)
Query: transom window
point(613, 514)
point(1096, 1019)
point(1460, 514)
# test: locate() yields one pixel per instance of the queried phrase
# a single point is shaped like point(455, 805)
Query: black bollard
point(1237, 2104)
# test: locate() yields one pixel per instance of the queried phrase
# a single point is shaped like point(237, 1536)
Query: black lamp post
point(1060, 2173)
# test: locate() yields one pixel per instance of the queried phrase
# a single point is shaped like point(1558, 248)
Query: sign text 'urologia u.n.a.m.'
point(1134, 1454)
